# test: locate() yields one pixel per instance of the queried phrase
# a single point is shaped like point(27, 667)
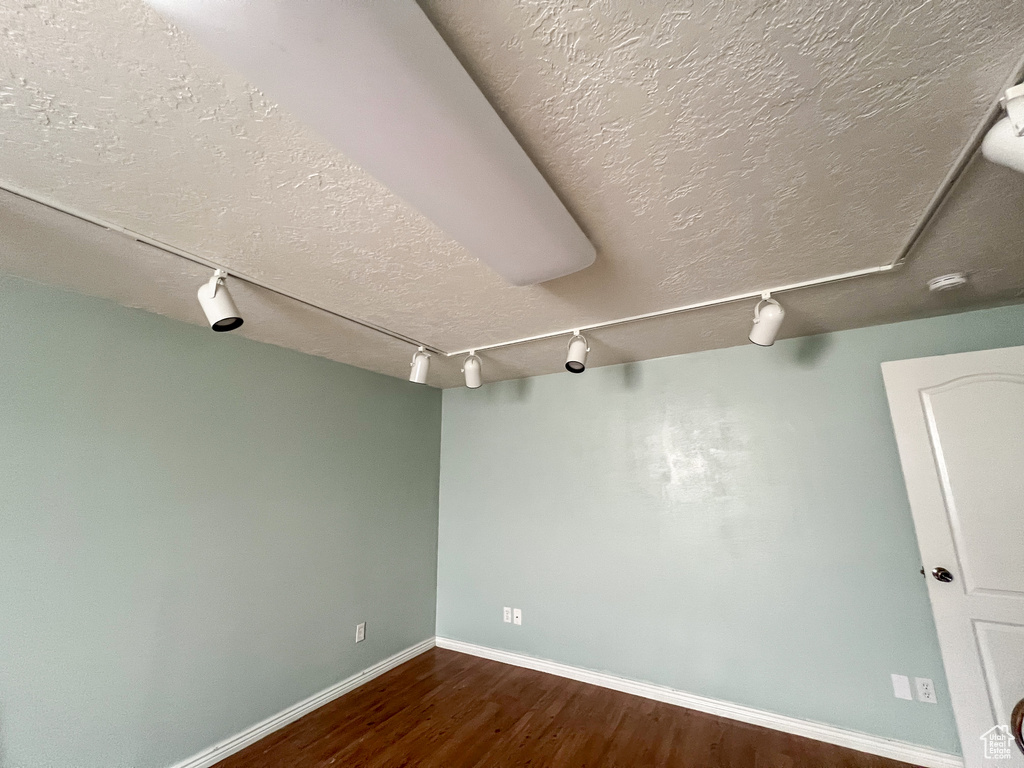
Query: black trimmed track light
point(576, 359)
point(220, 310)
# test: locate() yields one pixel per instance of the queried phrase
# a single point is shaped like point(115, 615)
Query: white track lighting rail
point(202, 261)
point(935, 204)
point(576, 329)
point(995, 111)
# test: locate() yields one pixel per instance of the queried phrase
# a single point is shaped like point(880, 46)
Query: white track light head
point(471, 368)
point(216, 302)
point(576, 360)
point(1004, 143)
point(768, 316)
point(420, 365)
point(1003, 146)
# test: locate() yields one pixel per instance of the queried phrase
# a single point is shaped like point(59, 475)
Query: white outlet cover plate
point(925, 690)
point(517, 616)
point(901, 687)
point(360, 632)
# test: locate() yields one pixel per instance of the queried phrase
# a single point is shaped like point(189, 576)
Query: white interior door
point(959, 423)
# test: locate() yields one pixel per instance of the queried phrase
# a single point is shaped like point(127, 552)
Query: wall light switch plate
point(508, 615)
point(925, 690)
point(360, 632)
point(901, 687)
point(517, 616)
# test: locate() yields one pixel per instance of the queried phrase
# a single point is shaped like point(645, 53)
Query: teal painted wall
point(731, 523)
point(191, 525)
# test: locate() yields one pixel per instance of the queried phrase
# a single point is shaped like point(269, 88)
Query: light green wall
point(731, 523)
point(191, 525)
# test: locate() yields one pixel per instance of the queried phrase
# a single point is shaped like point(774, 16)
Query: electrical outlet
point(901, 687)
point(360, 632)
point(517, 616)
point(925, 690)
point(508, 615)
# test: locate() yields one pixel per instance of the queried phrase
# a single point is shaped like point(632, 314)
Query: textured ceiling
point(707, 149)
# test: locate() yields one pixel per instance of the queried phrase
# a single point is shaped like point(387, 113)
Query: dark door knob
point(941, 574)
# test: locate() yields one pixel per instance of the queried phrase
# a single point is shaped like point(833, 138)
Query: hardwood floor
point(449, 710)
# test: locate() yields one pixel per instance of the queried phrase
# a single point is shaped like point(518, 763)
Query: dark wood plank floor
point(449, 710)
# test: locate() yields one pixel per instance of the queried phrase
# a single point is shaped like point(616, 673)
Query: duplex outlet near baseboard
point(360, 631)
point(512, 615)
point(925, 688)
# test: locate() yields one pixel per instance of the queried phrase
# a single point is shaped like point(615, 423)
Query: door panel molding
point(959, 422)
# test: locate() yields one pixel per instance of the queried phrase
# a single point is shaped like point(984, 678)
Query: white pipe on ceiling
point(378, 81)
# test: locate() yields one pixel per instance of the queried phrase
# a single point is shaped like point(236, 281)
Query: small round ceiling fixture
point(947, 282)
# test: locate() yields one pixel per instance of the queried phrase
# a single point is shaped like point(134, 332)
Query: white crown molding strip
point(218, 752)
point(830, 734)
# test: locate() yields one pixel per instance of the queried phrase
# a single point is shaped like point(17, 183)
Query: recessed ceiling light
point(947, 282)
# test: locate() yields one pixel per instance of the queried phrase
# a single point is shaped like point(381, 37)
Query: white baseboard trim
point(830, 734)
point(239, 741)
